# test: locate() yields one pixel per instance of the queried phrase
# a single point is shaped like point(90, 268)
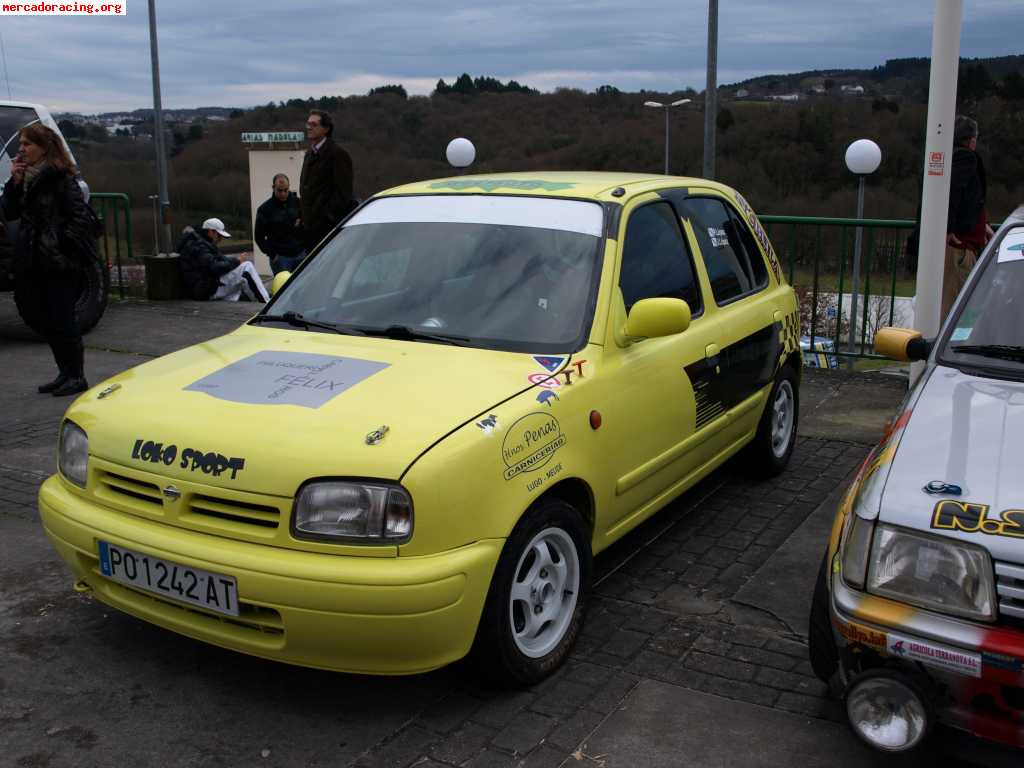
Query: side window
point(727, 247)
point(655, 259)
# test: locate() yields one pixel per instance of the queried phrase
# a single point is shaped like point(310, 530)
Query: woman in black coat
point(55, 242)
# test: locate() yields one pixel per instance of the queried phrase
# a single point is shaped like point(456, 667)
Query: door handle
point(711, 354)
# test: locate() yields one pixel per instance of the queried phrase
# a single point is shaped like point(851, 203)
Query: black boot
point(60, 355)
point(76, 371)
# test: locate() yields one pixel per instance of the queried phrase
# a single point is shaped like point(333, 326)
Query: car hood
point(293, 405)
point(965, 431)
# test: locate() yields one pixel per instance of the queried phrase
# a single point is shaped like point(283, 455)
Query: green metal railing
point(116, 211)
point(817, 246)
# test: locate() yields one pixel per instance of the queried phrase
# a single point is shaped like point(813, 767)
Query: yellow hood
point(264, 409)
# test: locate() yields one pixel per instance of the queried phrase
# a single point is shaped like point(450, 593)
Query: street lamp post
point(862, 158)
point(666, 107)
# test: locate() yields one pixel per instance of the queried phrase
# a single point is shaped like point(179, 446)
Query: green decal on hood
point(488, 185)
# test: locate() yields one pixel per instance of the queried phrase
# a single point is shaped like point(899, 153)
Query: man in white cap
point(207, 274)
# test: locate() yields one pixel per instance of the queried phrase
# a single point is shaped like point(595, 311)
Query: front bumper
point(345, 613)
point(976, 670)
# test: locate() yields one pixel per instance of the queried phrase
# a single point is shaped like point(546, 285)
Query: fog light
point(887, 711)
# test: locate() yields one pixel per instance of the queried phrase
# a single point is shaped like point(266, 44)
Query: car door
point(653, 413)
point(747, 323)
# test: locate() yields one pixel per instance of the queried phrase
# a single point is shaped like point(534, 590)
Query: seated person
point(207, 274)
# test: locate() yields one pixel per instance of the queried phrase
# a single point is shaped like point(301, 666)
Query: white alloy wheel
point(545, 588)
point(783, 411)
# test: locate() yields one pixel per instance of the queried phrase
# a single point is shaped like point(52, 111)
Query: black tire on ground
point(770, 450)
point(505, 651)
point(821, 645)
point(91, 304)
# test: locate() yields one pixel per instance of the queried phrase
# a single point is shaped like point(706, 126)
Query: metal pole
point(938, 150)
point(158, 131)
point(156, 225)
point(666, 138)
point(711, 91)
point(855, 278)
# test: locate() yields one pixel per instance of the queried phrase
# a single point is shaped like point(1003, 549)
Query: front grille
point(130, 490)
point(235, 511)
point(1010, 589)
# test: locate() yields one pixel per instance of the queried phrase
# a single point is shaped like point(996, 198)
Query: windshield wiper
point(299, 321)
point(1007, 351)
point(405, 333)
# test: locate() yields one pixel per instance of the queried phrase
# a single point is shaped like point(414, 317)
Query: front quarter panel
point(476, 483)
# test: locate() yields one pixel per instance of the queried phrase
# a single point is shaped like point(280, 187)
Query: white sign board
point(273, 137)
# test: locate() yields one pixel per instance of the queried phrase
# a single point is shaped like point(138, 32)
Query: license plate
point(212, 591)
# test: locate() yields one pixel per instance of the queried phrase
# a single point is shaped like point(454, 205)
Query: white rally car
point(918, 615)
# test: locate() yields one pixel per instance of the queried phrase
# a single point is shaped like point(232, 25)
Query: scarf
point(32, 172)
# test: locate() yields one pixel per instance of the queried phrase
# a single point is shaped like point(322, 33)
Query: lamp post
point(666, 107)
point(862, 158)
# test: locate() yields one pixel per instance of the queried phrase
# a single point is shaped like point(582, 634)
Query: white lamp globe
point(863, 157)
point(460, 152)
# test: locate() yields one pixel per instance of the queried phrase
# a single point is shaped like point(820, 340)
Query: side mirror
point(279, 280)
point(904, 344)
point(652, 318)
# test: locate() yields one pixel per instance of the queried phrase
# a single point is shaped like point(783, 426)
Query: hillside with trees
point(785, 156)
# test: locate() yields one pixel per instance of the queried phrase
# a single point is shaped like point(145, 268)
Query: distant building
point(786, 97)
point(742, 93)
point(852, 89)
point(818, 88)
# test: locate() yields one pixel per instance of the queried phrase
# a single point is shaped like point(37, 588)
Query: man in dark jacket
point(967, 228)
point(207, 274)
point(325, 186)
point(277, 227)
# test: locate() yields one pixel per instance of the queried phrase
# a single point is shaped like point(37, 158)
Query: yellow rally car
point(414, 451)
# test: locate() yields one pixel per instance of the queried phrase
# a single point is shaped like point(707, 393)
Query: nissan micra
point(918, 614)
point(416, 448)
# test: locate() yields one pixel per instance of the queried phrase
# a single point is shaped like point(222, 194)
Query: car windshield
point(501, 272)
point(989, 329)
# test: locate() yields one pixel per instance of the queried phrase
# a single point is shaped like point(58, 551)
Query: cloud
point(248, 54)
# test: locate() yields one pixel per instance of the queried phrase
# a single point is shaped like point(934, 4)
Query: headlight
point(368, 512)
point(73, 453)
point(932, 572)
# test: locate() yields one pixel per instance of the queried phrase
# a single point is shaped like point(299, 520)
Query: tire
point(544, 571)
point(91, 304)
point(821, 645)
point(773, 444)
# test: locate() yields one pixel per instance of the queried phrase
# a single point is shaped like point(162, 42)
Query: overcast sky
point(227, 53)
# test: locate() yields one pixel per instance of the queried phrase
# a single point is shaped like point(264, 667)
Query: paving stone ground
point(662, 610)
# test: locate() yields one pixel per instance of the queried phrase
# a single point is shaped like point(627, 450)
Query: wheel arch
point(578, 494)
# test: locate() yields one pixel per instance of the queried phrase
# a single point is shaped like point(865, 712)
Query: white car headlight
point(933, 572)
point(368, 512)
point(73, 453)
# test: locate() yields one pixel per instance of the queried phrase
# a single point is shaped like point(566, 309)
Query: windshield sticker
point(192, 459)
point(719, 238)
point(549, 364)
point(286, 378)
point(1012, 247)
point(530, 443)
point(490, 185)
point(961, 334)
point(544, 397)
point(488, 425)
point(951, 659)
point(964, 516)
